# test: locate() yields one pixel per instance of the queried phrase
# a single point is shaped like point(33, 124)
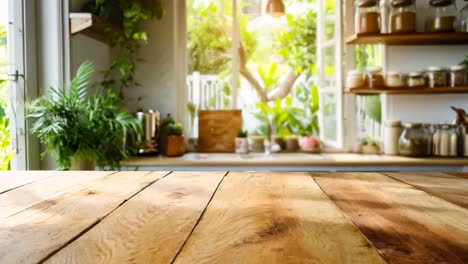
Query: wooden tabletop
point(233, 217)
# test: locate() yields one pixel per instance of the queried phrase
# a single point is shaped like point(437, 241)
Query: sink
point(252, 157)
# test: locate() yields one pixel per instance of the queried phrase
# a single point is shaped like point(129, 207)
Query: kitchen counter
point(289, 160)
point(233, 217)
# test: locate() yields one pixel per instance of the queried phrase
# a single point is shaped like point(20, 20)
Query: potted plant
point(241, 142)
point(369, 145)
point(82, 130)
point(292, 143)
point(257, 143)
point(310, 144)
point(175, 145)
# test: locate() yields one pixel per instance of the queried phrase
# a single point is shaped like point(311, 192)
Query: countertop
point(292, 159)
point(233, 217)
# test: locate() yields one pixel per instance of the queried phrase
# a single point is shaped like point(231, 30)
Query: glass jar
point(457, 75)
point(355, 79)
point(385, 14)
point(416, 79)
point(428, 132)
point(437, 77)
point(367, 20)
point(395, 80)
point(464, 18)
point(445, 141)
point(413, 141)
point(402, 16)
point(392, 135)
point(375, 77)
point(442, 16)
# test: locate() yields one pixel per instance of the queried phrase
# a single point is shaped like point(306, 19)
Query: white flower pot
point(242, 145)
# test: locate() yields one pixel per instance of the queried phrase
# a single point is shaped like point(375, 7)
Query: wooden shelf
point(91, 25)
point(410, 90)
point(451, 38)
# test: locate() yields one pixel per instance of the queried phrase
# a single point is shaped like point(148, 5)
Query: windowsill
point(292, 159)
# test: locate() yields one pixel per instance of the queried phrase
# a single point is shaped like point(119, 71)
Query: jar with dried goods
point(392, 135)
point(416, 79)
point(367, 18)
point(375, 77)
point(355, 79)
point(414, 141)
point(445, 141)
point(402, 16)
point(442, 16)
point(395, 80)
point(457, 75)
point(437, 77)
point(464, 18)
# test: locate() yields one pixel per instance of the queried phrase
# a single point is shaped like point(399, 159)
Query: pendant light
point(275, 8)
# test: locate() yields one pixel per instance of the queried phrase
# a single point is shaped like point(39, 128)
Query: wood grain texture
point(274, 218)
point(32, 235)
point(151, 227)
point(463, 175)
point(442, 185)
point(33, 193)
point(217, 130)
point(407, 225)
point(13, 179)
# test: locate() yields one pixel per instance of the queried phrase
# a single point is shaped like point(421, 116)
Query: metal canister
point(150, 123)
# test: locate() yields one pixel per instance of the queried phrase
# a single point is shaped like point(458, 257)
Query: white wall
point(423, 108)
point(162, 73)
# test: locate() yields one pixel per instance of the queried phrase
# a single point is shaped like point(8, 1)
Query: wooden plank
point(442, 185)
point(410, 90)
point(36, 233)
point(407, 225)
point(274, 218)
point(418, 38)
point(10, 180)
point(31, 194)
point(463, 175)
point(151, 227)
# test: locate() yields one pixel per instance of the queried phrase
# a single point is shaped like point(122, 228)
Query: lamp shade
point(275, 8)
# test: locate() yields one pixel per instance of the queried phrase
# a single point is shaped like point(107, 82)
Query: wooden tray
point(217, 130)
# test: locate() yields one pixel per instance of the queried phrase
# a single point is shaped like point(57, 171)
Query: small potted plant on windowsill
point(241, 142)
point(292, 143)
point(310, 144)
point(175, 145)
point(369, 145)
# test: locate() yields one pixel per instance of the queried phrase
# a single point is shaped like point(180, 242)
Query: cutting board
point(217, 130)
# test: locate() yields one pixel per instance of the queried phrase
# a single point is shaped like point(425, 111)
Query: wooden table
point(238, 217)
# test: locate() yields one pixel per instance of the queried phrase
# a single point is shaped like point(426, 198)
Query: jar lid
point(401, 3)
point(356, 72)
point(393, 123)
point(457, 67)
point(374, 69)
point(392, 73)
point(436, 69)
point(366, 3)
point(416, 74)
point(440, 2)
point(412, 125)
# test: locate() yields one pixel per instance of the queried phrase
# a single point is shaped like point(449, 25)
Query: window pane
point(329, 117)
point(329, 68)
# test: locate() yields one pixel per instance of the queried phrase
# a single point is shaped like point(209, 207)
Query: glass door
point(12, 102)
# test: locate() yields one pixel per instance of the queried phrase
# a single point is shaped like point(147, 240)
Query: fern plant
point(72, 123)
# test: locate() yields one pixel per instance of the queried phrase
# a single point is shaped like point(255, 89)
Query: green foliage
point(174, 129)
point(372, 107)
point(242, 133)
point(73, 124)
point(366, 55)
point(6, 154)
point(464, 61)
point(209, 41)
point(130, 15)
point(369, 141)
point(292, 119)
point(297, 44)
point(270, 76)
